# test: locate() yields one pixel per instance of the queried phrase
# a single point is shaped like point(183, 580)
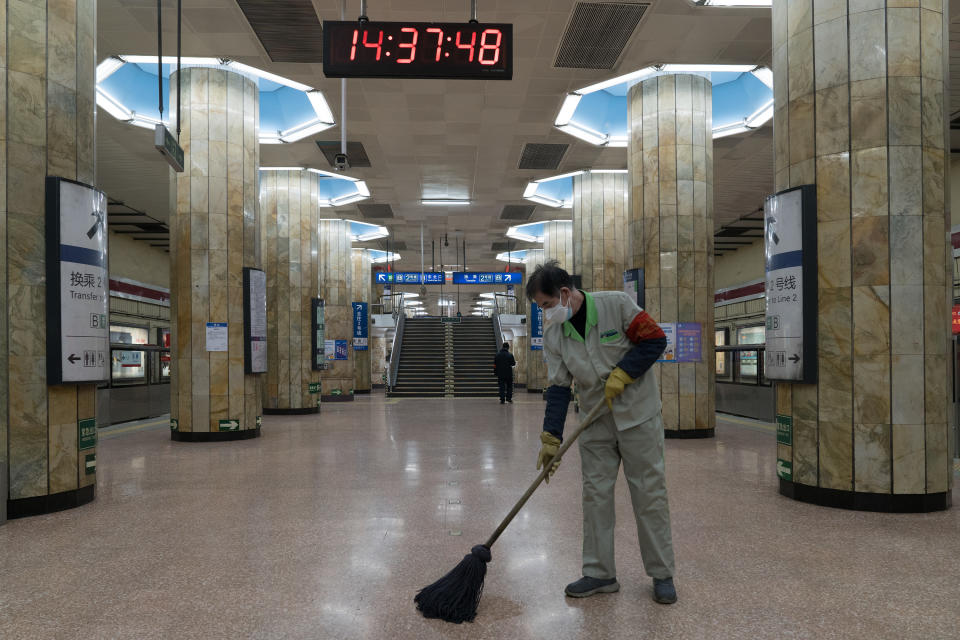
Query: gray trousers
point(640, 448)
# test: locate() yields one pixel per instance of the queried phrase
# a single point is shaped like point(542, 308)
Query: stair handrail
point(497, 331)
point(399, 318)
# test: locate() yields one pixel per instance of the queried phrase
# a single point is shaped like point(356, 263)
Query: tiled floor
point(327, 525)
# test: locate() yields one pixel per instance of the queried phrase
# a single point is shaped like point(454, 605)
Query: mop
point(455, 596)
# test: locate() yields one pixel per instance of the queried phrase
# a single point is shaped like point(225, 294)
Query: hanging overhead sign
point(407, 277)
point(78, 306)
point(465, 51)
point(790, 246)
point(479, 277)
point(254, 320)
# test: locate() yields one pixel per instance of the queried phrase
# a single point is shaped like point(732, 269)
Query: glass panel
point(720, 339)
point(164, 357)
point(128, 366)
point(751, 335)
point(129, 335)
point(723, 366)
point(748, 366)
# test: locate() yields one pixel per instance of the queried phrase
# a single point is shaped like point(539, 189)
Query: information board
point(689, 337)
point(317, 335)
point(360, 328)
point(670, 331)
point(480, 277)
point(407, 277)
point(78, 305)
point(633, 286)
point(536, 327)
point(340, 349)
point(790, 247)
point(218, 336)
point(254, 320)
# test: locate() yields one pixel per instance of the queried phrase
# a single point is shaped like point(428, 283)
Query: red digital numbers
point(487, 54)
point(412, 45)
point(486, 47)
point(473, 43)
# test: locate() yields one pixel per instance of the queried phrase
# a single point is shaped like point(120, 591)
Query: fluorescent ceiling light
point(511, 257)
point(560, 177)
point(719, 68)
point(303, 130)
point(266, 75)
point(550, 202)
point(106, 68)
point(640, 74)
point(444, 201)
point(331, 174)
point(112, 106)
point(281, 168)
point(362, 188)
point(530, 190)
point(191, 61)
point(737, 3)
point(760, 116)
point(587, 135)
point(608, 170)
point(730, 130)
point(319, 102)
point(568, 108)
point(617, 141)
point(268, 138)
point(348, 199)
point(410, 294)
point(516, 234)
point(764, 75)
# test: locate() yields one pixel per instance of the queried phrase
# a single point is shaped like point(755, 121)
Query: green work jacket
point(589, 359)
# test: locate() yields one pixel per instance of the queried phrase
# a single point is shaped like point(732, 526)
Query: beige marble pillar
point(361, 285)
point(378, 361)
point(214, 234)
point(536, 366)
point(859, 91)
point(335, 288)
point(558, 244)
point(600, 229)
point(289, 215)
point(47, 66)
point(670, 230)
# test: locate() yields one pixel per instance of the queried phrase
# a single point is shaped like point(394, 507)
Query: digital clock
point(465, 51)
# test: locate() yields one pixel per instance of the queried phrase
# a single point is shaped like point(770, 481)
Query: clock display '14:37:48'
point(418, 50)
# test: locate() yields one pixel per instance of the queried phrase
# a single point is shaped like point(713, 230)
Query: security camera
point(340, 162)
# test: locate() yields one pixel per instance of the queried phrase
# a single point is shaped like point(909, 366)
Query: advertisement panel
point(254, 320)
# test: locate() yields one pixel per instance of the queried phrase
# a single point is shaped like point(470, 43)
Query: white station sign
point(790, 318)
point(79, 304)
point(256, 320)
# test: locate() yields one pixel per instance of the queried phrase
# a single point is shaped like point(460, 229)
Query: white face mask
point(558, 313)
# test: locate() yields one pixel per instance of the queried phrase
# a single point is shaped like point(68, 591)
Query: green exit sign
point(314, 387)
point(87, 433)
point(229, 425)
point(168, 147)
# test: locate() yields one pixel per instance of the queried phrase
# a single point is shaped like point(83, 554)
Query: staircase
point(474, 348)
point(421, 371)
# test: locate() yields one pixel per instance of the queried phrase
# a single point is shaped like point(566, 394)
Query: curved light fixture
point(337, 189)
point(129, 94)
point(554, 191)
point(592, 113)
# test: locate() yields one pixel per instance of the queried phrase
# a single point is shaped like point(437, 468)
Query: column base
point(214, 436)
point(302, 411)
point(361, 391)
point(533, 390)
point(379, 386)
point(24, 507)
point(688, 433)
point(344, 397)
point(860, 501)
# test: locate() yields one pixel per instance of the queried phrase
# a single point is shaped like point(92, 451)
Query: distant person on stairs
point(503, 365)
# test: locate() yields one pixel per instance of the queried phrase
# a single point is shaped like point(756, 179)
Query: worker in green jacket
point(607, 344)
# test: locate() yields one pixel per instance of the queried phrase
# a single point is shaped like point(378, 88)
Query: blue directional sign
point(408, 277)
point(479, 277)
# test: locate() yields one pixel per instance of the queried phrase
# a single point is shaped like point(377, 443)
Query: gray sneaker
point(663, 591)
point(587, 586)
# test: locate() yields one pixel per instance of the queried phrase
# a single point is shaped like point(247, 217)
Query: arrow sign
point(794, 358)
point(229, 425)
point(74, 358)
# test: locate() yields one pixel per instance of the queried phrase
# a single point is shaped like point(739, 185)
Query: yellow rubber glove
point(616, 383)
point(548, 449)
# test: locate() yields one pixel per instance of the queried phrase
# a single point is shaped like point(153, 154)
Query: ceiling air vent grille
point(542, 156)
point(503, 245)
point(356, 154)
point(597, 34)
point(376, 210)
point(399, 245)
point(517, 211)
point(289, 31)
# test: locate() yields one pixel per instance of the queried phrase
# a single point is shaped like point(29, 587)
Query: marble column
point(214, 234)
point(47, 115)
point(361, 285)
point(335, 288)
point(670, 231)
point(536, 366)
point(558, 244)
point(289, 215)
point(600, 229)
point(860, 112)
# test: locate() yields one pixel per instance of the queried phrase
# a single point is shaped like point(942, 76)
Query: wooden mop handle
point(591, 417)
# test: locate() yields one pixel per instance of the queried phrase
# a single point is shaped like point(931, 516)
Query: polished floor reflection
point(327, 525)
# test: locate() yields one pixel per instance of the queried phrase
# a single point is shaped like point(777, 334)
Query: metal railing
point(399, 320)
point(497, 331)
